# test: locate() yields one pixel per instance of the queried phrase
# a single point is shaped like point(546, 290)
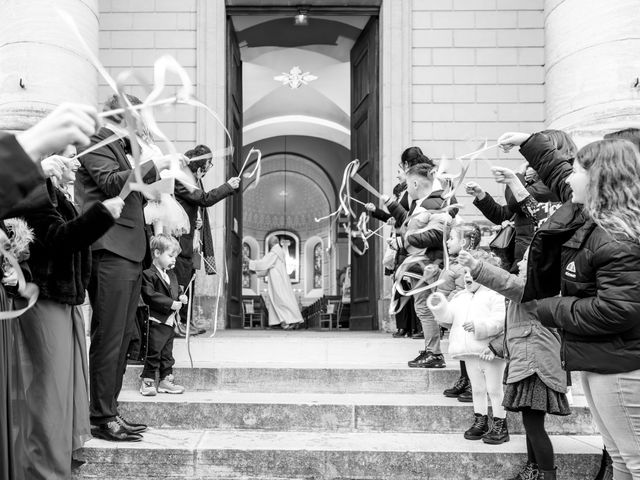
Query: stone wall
point(477, 71)
point(133, 34)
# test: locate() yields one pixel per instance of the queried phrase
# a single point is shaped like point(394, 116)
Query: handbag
point(503, 243)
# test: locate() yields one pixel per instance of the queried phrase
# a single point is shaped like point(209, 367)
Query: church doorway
point(303, 87)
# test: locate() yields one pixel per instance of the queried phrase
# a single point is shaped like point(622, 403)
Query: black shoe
point(130, 426)
point(548, 474)
point(529, 472)
point(467, 395)
point(418, 335)
point(414, 363)
point(499, 433)
point(432, 360)
point(400, 333)
point(114, 432)
point(479, 428)
point(458, 388)
point(606, 467)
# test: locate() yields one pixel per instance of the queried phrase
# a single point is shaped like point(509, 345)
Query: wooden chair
point(254, 310)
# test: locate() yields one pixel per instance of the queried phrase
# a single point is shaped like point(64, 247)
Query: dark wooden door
point(233, 233)
point(365, 269)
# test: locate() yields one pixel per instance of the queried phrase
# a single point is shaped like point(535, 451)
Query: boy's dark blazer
point(158, 295)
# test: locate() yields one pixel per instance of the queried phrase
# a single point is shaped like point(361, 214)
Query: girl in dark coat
point(591, 252)
point(51, 338)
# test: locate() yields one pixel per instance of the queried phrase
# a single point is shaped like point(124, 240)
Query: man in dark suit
point(195, 203)
point(116, 278)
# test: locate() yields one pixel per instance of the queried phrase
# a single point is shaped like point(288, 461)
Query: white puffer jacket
point(485, 308)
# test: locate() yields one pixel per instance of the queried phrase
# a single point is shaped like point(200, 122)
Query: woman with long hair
point(591, 253)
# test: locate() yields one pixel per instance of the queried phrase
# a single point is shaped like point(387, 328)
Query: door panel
point(365, 270)
point(233, 234)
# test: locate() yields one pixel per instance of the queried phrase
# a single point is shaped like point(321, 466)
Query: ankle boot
point(479, 428)
point(499, 433)
point(606, 467)
point(548, 474)
point(467, 395)
point(457, 388)
point(529, 472)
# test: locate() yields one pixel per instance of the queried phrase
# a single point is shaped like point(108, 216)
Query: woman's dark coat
point(598, 277)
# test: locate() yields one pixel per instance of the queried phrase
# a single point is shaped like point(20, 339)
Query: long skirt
point(54, 377)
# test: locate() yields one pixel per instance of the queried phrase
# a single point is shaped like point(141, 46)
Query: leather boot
point(467, 395)
point(479, 428)
point(606, 467)
point(457, 388)
point(548, 474)
point(528, 472)
point(499, 433)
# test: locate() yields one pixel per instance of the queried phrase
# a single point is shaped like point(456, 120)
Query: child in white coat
point(476, 316)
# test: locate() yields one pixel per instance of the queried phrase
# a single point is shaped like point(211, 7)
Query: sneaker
point(479, 428)
point(148, 387)
point(528, 472)
point(414, 363)
point(166, 385)
point(432, 360)
point(458, 388)
point(499, 433)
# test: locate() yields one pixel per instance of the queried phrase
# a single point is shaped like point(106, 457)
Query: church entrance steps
point(310, 378)
point(259, 455)
point(370, 412)
point(318, 405)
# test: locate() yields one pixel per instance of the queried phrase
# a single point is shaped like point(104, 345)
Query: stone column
point(592, 66)
point(41, 61)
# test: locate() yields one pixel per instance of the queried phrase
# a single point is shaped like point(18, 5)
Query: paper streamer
point(28, 291)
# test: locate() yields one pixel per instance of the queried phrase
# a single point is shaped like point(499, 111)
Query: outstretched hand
point(466, 260)
point(234, 182)
point(68, 124)
point(509, 140)
point(503, 175)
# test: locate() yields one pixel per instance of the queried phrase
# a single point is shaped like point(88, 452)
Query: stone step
point(299, 346)
point(310, 378)
point(258, 455)
point(372, 412)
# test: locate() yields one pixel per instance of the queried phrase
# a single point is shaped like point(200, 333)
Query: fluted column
point(41, 61)
point(592, 66)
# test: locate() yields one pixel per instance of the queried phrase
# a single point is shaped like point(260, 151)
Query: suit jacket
point(157, 294)
point(102, 175)
point(19, 175)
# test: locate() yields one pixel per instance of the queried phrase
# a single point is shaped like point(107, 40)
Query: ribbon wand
point(188, 332)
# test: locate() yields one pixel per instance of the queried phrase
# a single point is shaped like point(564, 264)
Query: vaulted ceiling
point(271, 46)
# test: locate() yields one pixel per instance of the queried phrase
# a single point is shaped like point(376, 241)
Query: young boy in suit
point(160, 291)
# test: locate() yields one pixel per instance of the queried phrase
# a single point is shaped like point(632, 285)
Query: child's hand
point(175, 306)
point(370, 207)
point(10, 278)
point(487, 355)
point(114, 205)
point(466, 260)
point(473, 188)
point(183, 299)
point(391, 221)
point(469, 326)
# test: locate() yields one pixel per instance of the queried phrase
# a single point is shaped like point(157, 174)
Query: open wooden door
point(365, 269)
point(233, 234)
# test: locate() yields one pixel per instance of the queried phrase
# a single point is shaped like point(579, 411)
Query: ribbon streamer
point(256, 170)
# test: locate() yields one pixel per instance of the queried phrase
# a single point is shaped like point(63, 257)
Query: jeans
point(430, 327)
point(614, 401)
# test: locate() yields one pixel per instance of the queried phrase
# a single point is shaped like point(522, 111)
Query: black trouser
point(114, 291)
point(159, 351)
point(406, 318)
